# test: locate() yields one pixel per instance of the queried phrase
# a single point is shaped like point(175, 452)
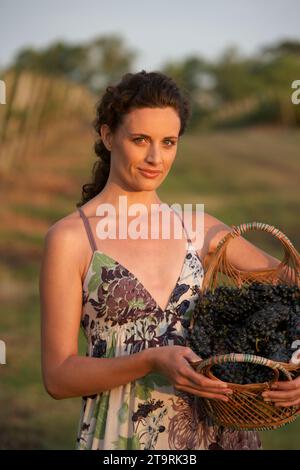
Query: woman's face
point(146, 140)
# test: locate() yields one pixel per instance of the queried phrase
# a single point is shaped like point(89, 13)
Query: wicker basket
point(246, 408)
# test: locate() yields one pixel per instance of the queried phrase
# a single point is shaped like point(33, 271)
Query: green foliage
point(245, 90)
point(94, 64)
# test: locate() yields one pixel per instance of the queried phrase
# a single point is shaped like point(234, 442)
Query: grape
point(260, 319)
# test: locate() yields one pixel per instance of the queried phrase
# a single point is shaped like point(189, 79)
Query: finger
point(211, 386)
point(200, 379)
point(202, 394)
point(282, 401)
point(190, 356)
point(287, 403)
point(289, 395)
point(225, 392)
point(193, 360)
point(286, 385)
point(194, 376)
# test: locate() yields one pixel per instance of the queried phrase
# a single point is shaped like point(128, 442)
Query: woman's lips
point(149, 174)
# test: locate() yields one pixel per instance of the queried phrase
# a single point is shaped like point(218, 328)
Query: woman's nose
point(154, 154)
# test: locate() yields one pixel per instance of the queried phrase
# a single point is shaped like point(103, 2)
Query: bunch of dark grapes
point(259, 319)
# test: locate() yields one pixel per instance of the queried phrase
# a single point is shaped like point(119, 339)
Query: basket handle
point(289, 268)
point(205, 365)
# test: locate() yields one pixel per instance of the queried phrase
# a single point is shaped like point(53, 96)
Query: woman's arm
point(241, 253)
point(67, 374)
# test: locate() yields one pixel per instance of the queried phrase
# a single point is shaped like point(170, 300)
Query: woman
point(138, 388)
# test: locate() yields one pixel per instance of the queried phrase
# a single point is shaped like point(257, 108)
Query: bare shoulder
point(64, 240)
point(65, 229)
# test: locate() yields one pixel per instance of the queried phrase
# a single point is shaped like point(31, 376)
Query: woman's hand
point(285, 393)
point(174, 363)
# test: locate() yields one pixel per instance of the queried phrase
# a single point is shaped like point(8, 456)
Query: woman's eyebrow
point(145, 135)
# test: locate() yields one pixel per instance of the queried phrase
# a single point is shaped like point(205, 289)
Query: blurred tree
point(283, 48)
point(191, 73)
point(236, 77)
point(57, 59)
point(233, 88)
point(95, 64)
point(106, 60)
point(194, 75)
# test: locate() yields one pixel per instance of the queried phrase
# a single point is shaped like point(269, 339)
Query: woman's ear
point(106, 136)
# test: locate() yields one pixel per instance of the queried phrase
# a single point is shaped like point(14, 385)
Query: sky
point(159, 30)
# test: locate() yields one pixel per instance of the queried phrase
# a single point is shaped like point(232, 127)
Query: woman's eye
point(138, 139)
point(170, 142)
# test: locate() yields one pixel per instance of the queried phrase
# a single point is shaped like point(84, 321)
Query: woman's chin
point(148, 184)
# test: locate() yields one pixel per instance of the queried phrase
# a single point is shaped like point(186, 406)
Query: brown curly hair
point(135, 90)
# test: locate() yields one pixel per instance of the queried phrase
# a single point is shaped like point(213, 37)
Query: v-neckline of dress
point(135, 278)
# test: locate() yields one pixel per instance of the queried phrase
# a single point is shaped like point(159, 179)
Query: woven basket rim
point(287, 270)
point(204, 366)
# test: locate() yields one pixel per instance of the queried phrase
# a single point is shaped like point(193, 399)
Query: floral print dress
point(120, 317)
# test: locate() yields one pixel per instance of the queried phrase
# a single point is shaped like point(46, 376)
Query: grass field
point(240, 176)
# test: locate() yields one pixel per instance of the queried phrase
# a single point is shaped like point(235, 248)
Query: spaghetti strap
point(91, 236)
point(188, 238)
point(184, 227)
point(88, 229)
